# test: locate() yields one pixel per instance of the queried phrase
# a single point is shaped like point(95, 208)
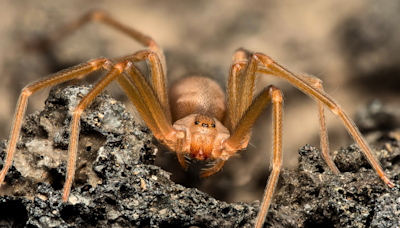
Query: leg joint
point(238, 65)
point(97, 15)
point(336, 109)
point(265, 59)
point(277, 95)
point(102, 62)
point(122, 65)
point(26, 91)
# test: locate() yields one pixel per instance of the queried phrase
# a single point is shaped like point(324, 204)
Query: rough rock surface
point(116, 184)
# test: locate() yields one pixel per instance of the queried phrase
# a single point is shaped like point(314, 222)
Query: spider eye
point(197, 122)
point(213, 125)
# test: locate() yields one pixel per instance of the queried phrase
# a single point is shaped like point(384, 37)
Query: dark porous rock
point(117, 185)
point(312, 196)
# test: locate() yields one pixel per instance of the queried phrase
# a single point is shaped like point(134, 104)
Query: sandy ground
point(353, 47)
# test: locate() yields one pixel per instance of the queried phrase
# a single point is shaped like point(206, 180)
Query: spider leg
point(240, 87)
point(239, 63)
point(270, 67)
point(240, 137)
point(247, 112)
point(161, 130)
point(152, 102)
point(100, 16)
point(277, 123)
point(153, 109)
point(62, 76)
point(240, 92)
point(148, 105)
point(317, 83)
point(157, 61)
point(135, 85)
point(75, 124)
point(157, 75)
point(233, 94)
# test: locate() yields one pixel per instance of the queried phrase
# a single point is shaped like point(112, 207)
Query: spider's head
point(203, 135)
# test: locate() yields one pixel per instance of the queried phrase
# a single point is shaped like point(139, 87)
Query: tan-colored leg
point(246, 87)
point(150, 101)
point(240, 92)
point(158, 64)
point(277, 124)
point(74, 135)
point(274, 69)
point(145, 99)
point(100, 16)
point(62, 76)
point(157, 74)
point(234, 90)
point(233, 82)
point(233, 93)
point(317, 83)
point(240, 136)
point(160, 123)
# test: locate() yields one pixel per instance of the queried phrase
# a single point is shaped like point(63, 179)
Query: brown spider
point(193, 119)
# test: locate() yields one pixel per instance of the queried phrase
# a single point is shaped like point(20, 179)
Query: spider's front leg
point(240, 92)
point(154, 112)
point(65, 75)
point(241, 58)
point(270, 67)
point(150, 100)
point(240, 137)
point(140, 92)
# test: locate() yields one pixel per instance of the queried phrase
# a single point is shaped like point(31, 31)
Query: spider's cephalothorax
point(198, 104)
point(195, 119)
point(204, 136)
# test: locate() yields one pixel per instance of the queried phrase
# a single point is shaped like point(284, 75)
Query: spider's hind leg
point(323, 132)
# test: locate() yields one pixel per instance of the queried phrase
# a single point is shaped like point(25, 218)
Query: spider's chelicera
point(193, 118)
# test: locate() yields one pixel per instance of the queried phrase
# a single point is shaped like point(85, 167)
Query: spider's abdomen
point(197, 95)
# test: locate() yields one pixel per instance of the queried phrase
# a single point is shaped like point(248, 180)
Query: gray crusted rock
point(313, 196)
point(115, 181)
point(387, 209)
point(116, 184)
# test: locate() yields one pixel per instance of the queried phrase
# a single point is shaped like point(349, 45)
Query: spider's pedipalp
point(213, 169)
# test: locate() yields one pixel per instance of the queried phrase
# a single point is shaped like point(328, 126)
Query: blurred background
point(352, 46)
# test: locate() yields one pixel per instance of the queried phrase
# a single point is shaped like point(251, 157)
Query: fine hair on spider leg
point(193, 119)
